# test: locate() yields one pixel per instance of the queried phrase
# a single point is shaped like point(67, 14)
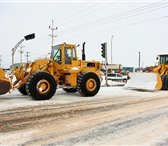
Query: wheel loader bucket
point(144, 81)
point(4, 83)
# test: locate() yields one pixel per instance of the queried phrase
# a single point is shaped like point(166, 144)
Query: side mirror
point(30, 36)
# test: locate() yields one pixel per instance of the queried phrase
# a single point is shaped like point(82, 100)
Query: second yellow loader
point(156, 79)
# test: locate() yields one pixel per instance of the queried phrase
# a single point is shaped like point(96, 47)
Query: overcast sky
point(137, 26)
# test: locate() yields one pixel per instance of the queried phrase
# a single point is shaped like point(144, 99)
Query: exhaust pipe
point(83, 52)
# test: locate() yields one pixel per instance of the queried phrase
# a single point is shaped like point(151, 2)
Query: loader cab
point(162, 59)
point(64, 54)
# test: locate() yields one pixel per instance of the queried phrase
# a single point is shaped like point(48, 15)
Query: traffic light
point(104, 50)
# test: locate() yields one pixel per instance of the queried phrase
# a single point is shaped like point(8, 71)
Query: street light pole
point(14, 49)
point(111, 51)
point(27, 37)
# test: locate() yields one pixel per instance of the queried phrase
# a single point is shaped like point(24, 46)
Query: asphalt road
point(115, 116)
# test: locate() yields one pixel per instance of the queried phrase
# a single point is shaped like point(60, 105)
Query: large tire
point(22, 90)
point(88, 84)
point(41, 86)
point(163, 78)
point(70, 90)
point(166, 82)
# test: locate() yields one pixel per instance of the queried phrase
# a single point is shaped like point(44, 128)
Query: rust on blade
point(4, 86)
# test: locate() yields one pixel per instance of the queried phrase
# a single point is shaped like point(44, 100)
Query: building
point(112, 68)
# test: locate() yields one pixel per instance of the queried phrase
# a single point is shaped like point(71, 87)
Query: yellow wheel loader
point(41, 78)
point(156, 79)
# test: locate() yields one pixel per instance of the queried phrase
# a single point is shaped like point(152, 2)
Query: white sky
point(137, 26)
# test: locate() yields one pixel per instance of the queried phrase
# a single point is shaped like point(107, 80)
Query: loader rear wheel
point(70, 90)
point(22, 90)
point(88, 84)
point(41, 86)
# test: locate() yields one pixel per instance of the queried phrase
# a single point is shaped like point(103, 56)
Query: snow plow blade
point(4, 83)
point(144, 81)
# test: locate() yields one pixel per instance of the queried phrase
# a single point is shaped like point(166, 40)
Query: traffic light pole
point(106, 73)
point(106, 64)
point(104, 55)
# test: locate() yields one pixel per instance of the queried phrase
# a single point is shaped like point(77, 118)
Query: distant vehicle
point(116, 77)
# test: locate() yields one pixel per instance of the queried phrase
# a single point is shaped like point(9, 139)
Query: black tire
point(163, 78)
point(41, 86)
point(22, 90)
point(166, 82)
point(83, 84)
point(70, 90)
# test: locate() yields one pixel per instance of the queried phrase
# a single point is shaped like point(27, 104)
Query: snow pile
point(142, 81)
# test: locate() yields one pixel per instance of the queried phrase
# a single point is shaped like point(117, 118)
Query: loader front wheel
point(22, 90)
point(163, 78)
point(166, 82)
point(41, 86)
point(88, 84)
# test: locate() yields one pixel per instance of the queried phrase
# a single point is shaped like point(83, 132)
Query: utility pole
point(111, 52)
point(52, 33)
point(0, 60)
point(21, 52)
point(27, 56)
point(139, 61)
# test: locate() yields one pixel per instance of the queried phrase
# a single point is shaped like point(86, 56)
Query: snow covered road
point(115, 116)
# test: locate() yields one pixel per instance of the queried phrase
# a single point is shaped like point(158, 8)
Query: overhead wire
point(88, 14)
point(121, 16)
point(43, 29)
point(39, 41)
point(135, 23)
point(113, 17)
point(67, 12)
point(118, 19)
point(81, 11)
point(122, 26)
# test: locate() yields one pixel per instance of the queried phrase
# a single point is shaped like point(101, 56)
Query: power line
point(81, 11)
point(113, 20)
point(62, 16)
point(131, 24)
point(127, 25)
point(115, 17)
point(73, 10)
point(120, 16)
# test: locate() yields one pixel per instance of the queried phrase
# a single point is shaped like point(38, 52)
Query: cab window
point(56, 54)
point(74, 54)
point(163, 59)
point(68, 55)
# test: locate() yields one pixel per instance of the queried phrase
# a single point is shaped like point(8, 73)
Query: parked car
point(116, 77)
